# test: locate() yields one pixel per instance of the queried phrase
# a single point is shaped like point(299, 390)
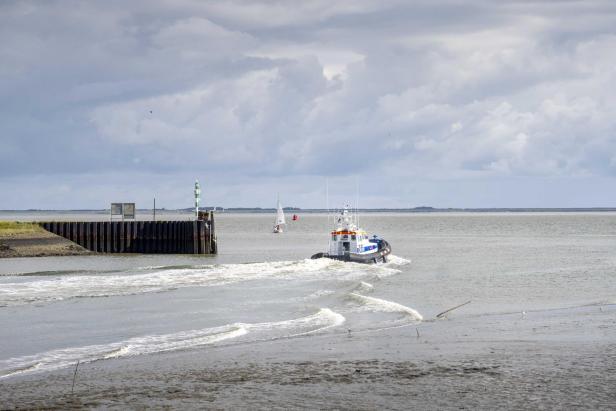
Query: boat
point(350, 243)
point(280, 222)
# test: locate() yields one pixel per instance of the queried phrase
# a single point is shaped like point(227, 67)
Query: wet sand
point(38, 244)
point(564, 359)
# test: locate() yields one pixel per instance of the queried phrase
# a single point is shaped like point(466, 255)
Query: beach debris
point(523, 314)
point(451, 309)
point(74, 376)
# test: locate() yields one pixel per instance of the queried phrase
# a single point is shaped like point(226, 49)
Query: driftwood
point(451, 309)
point(74, 376)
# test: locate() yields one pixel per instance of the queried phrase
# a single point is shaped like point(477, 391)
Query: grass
point(11, 228)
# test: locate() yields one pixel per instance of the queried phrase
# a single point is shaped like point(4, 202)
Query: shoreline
point(38, 244)
point(520, 369)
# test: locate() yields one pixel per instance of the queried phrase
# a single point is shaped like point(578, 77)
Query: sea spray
point(396, 260)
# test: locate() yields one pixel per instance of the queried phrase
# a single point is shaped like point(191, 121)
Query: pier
point(145, 237)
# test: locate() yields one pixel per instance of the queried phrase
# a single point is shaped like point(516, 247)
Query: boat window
point(353, 238)
point(345, 237)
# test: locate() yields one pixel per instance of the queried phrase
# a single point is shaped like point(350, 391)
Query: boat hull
point(369, 258)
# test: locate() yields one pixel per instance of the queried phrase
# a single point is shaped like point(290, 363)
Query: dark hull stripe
point(372, 258)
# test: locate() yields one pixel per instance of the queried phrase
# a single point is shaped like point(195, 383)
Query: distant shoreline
point(323, 210)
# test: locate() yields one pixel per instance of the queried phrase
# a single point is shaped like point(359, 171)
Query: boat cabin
point(347, 238)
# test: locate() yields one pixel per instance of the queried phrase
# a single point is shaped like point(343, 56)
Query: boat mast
point(356, 202)
point(327, 199)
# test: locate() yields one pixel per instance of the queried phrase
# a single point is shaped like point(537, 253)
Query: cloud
point(270, 93)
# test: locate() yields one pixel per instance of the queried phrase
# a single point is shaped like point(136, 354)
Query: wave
point(52, 273)
point(364, 287)
point(56, 288)
point(66, 357)
point(377, 304)
point(396, 260)
point(322, 320)
point(312, 296)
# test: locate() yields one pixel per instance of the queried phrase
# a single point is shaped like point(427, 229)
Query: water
point(544, 279)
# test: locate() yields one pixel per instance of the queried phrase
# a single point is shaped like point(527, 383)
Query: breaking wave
point(395, 260)
point(66, 357)
point(377, 304)
point(364, 287)
point(48, 288)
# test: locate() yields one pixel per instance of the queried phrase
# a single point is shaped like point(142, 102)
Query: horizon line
point(298, 209)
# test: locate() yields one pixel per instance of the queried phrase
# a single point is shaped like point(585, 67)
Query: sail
point(280, 215)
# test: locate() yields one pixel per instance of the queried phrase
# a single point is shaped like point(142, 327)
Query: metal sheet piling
point(146, 237)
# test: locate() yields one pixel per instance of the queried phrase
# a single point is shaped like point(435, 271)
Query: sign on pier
point(124, 210)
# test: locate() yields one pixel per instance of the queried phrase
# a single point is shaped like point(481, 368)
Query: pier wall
point(146, 237)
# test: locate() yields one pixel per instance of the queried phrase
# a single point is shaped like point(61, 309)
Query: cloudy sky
point(446, 104)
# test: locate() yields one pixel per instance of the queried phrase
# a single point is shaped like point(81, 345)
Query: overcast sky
point(444, 104)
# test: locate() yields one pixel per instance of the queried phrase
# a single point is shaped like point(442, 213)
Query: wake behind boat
point(350, 243)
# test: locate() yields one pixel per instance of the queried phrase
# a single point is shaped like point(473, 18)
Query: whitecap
point(377, 304)
point(364, 287)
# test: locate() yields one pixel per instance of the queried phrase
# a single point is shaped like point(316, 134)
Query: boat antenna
point(357, 201)
point(327, 199)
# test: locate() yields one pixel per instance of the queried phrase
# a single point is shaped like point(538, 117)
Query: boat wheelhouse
point(348, 242)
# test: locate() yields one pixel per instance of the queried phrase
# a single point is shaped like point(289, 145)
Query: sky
point(399, 103)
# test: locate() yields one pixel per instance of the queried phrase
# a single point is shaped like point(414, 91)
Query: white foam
point(56, 288)
point(377, 304)
point(395, 260)
point(334, 320)
point(364, 287)
point(312, 296)
point(66, 357)
point(322, 320)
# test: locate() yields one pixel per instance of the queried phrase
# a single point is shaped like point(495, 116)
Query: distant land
point(423, 209)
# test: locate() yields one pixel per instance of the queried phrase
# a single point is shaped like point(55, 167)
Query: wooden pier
point(145, 237)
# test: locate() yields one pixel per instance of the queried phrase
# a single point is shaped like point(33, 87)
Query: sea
point(261, 325)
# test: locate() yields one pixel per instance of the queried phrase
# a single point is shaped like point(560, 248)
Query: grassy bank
point(15, 228)
point(18, 239)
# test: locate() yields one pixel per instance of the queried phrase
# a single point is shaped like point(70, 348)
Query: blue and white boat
point(348, 242)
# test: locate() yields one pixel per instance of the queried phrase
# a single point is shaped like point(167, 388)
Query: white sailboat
point(279, 219)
